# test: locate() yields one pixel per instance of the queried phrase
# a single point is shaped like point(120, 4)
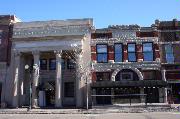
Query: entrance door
point(152, 95)
point(176, 93)
point(103, 99)
point(50, 98)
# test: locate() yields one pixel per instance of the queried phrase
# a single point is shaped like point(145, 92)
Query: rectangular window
point(126, 76)
point(71, 64)
point(69, 89)
point(52, 64)
point(103, 76)
point(148, 52)
point(132, 52)
point(169, 53)
point(102, 53)
point(118, 53)
point(43, 64)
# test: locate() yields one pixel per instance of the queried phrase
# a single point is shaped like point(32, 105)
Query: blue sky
point(104, 12)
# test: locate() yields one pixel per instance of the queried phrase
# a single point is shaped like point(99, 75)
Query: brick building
point(126, 64)
point(169, 34)
point(6, 28)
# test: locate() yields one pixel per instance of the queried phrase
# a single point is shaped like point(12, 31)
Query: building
point(49, 63)
point(126, 65)
point(169, 34)
point(6, 27)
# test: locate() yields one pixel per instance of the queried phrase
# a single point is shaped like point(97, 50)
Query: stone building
point(6, 27)
point(49, 60)
point(126, 65)
point(169, 34)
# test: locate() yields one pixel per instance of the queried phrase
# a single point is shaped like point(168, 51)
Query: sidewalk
point(135, 108)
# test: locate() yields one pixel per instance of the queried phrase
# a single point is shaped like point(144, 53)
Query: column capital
point(17, 53)
point(36, 52)
point(58, 53)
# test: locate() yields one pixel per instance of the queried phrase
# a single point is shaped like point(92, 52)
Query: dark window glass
point(169, 53)
point(52, 64)
point(118, 52)
point(43, 64)
point(103, 76)
point(101, 53)
point(69, 89)
point(127, 76)
point(71, 64)
point(131, 52)
point(148, 52)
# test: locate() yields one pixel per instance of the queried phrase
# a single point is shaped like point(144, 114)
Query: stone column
point(35, 79)
point(16, 80)
point(163, 72)
point(58, 91)
point(79, 76)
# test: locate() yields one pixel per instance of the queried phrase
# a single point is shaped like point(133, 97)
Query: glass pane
point(101, 48)
point(168, 48)
point(169, 58)
point(52, 64)
point(118, 48)
point(131, 47)
point(118, 57)
point(148, 56)
point(147, 47)
point(131, 57)
point(102, 57)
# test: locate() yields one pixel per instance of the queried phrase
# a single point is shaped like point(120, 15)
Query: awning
point(141, 83)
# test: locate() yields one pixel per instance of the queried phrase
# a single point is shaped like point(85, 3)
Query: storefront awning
point(141, 83)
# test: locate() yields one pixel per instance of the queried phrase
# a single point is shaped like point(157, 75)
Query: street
point(153, 115)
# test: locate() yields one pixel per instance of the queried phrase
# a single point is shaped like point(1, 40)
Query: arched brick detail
point(126, 67)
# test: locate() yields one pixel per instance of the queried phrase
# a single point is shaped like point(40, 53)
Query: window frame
point(153, 58)
point(71, 65)
point(132, 52)
point(102, 53)
point(172, 53)
point(46, 68)
point(122, 52)
point(129, 73)
point(51, 62)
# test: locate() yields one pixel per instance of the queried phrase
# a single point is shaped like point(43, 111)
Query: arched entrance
point(135, 71)
point(128, 77)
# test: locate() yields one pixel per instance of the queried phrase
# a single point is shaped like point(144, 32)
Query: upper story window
point(118, 53)
point(131, 52)
point(102, 55)
point(148, 51)
point(71, 64)
point(103, 76)
point(52, 64)
point(43, 64)
point(169, 53)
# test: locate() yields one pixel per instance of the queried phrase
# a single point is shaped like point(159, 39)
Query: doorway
point(152, 95)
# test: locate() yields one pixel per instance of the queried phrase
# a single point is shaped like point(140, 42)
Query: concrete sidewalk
point(135, 108)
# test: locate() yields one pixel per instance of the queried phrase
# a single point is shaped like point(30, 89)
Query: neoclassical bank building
point(46, 67)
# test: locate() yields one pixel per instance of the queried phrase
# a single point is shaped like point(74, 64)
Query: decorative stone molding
point(113, 66)
point(126, 67)
point(124, 41)
point(58, 53)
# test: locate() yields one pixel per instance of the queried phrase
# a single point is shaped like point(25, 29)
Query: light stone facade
point(33, 41)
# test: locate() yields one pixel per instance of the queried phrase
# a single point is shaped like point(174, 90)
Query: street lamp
point(30, 89)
